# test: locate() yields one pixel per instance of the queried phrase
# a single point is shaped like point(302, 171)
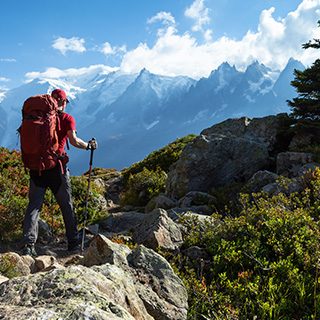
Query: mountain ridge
point(133, 114)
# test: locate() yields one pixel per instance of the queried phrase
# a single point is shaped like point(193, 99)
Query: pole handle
point(91, 155)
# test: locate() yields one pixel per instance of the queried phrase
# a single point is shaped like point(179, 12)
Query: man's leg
point(64, 199)
point(30, 225)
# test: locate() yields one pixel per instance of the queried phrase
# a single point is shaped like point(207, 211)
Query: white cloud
point(73, 44)
point(208, 35)
point(3, 79)
point(273, 44)
point(172, 55)
point(200, 14)
point(107, 49)
point(7, 60)
point(164, 17)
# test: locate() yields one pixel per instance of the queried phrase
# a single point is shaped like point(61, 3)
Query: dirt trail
point(56, 248)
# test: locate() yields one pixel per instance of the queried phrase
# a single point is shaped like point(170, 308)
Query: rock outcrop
point(116, 283)
point(229, 152)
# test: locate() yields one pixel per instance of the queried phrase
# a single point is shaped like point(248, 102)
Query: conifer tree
point(306, 107)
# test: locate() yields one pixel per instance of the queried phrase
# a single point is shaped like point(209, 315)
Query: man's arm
point(77, 142)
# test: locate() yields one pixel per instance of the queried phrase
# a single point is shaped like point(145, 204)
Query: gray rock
point(99, 183)
point(122, 290)
point(114, 186)
point(271, 188)
point(214, 161)
point(196, 254)
point(93, 229)
point(122, 222)
point(196, 198)
point(157, 230)
point(101, 202)
point(228, 152)
point(161, 290)
point(102, 250)
point(199, 202)
point(288, 187)
point(161, 201)
point(262, 130)
point(145, 274)
point(137, 284)
point(71, 293)
point(177, 213)
point(261, 179)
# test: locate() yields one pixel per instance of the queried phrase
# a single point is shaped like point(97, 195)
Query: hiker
point(58, 180)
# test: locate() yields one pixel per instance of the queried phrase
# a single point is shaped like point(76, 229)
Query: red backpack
point(39, 133)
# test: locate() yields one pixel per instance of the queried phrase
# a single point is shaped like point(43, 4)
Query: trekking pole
point(87, 198)
point(52, 229)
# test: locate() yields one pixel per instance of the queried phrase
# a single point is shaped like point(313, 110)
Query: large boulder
point(72, 293)
point(262, 130)
point(228, 152)
point(161, 291)
point(128, 284)
point(215, 160)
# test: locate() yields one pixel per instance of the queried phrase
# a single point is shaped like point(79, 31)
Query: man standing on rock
point(58, 180)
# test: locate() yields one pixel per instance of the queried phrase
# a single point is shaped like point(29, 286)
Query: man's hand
point(92, 144)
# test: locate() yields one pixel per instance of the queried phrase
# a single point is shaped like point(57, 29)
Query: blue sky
point(55, 39)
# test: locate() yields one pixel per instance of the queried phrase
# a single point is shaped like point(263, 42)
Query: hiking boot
point(29, 251)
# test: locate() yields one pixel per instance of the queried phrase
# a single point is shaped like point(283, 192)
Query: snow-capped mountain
point(133, 114)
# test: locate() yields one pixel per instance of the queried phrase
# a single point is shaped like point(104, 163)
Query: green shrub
point(145, 179)
point(7, 266)
point(79, 194)
point(227, 198)
point(162, 158)
point(13, 194)
point(263, 262)
point(204, 301)
point(143, 186)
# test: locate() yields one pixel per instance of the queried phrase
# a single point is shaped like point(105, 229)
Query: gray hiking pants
point(60, 185)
